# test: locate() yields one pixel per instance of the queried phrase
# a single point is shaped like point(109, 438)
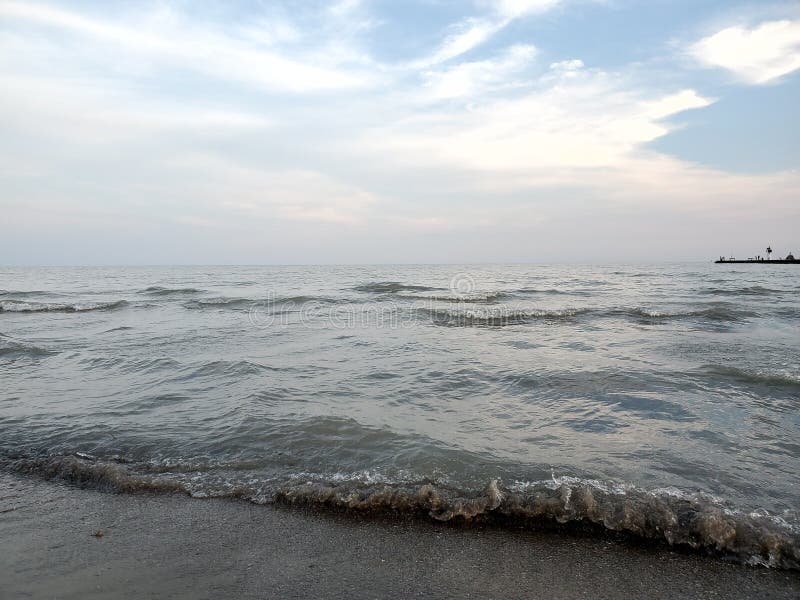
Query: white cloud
point(567, 65)
point(208, 52)
point(472, 32)
point(593, 120)
point(466, 35)
point(162, 116)
point(757, 55)
point(513, 9)
point(234, 191)
point(85, 114)
point(471, 78)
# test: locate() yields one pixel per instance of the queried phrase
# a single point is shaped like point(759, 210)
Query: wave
point(516, 315)
point(787, 312)
point(392, 287)
point(754, 290)
point(13, 349)
point(156, 290)
point(230, 368)
point(304, 300)
point(25, 294)
point(716, 313)
point(487, 298)
point(15, 306)
point(496, 317)
point(554, 292)
point(775, 379)
point(129, 364)
point(220, 302)
point(261, 303)
point(668, 515)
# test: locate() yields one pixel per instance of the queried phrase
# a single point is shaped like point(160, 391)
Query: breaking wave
point(667, 515)
point(15, 306)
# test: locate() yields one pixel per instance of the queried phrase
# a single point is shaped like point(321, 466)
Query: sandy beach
point(65, 542)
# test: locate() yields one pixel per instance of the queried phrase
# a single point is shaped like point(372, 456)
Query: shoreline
point(170, 545)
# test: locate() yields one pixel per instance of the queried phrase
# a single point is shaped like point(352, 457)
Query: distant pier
point(777, 261)
point(789, 260)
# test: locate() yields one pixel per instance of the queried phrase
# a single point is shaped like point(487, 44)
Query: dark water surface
point(661, 400)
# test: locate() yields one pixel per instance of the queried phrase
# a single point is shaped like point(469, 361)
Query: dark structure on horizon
point(790, 259)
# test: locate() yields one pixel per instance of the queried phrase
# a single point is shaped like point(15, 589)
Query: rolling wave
point(667, 515)
point(156, 290)
point(13, 349)
point(487, 298)
point(392, 287)
point(510, 315)
point(770, 378)
point(258, 303)
point(754, 290)
point(14, 306)
point(25, 293)
point(554, 292)
point(495, 318)
point(719, 313)
point(219, 302)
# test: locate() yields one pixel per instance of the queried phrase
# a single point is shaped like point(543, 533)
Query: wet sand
point(176, 547)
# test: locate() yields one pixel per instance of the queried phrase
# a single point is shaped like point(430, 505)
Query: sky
point(388, 131)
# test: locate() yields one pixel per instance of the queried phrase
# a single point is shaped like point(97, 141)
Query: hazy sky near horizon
point(364, 131)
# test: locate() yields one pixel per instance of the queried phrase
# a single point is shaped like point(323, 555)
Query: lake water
point(662, 400)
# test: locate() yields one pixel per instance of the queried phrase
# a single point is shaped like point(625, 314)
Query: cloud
point(286, 129)
point(470, 33)
point(592, 120)
point(757, 55)
point(512, 9)
point(85, 114)
point(471, 78)
point(232, 191)
point(567, 65)
point(466, 35)
point(177, 44)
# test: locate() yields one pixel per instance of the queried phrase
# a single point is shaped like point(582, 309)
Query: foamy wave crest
point(15, 306)
point(666, 515)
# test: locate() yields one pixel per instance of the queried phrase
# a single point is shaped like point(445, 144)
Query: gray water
point(658, 399)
